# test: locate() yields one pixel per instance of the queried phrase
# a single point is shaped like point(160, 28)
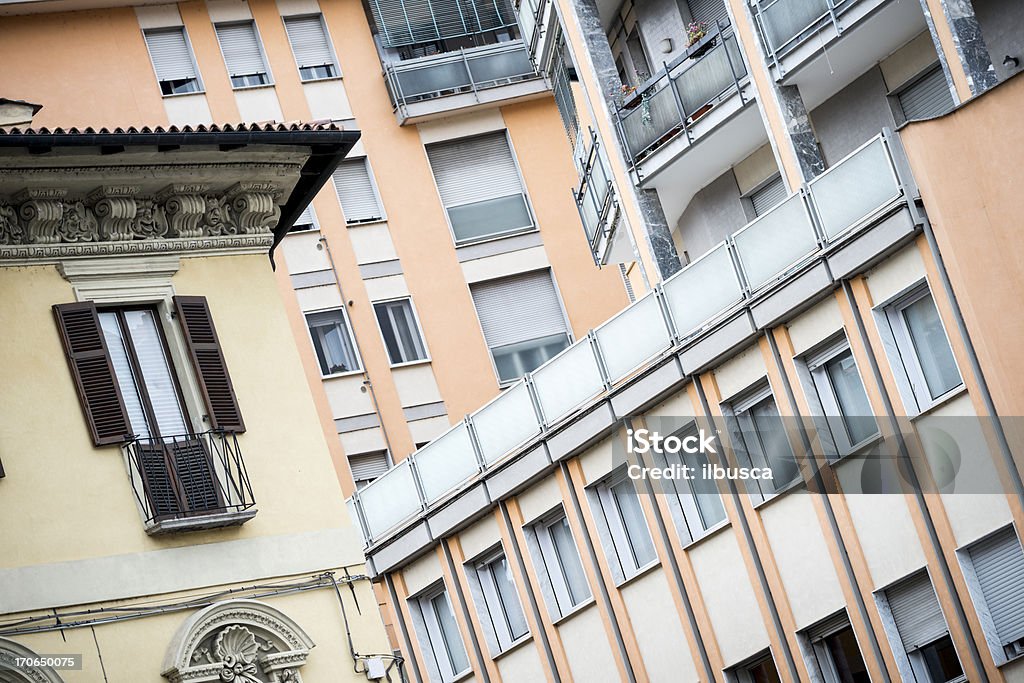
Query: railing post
point(738, 266)
point(666, 313)
point(418, 482)
point(537, 408)
point(469, 73)
point(602, 368)
point(678, 100)
point(769, 47)
point(732, 68)
point(361, 517)
point(475, 443)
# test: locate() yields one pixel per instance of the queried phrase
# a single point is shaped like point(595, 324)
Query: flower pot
point(699, 50)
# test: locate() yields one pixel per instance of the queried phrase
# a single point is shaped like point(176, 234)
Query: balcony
point(595, 199)
point(440, 85)
point(840, 223)
point(190, 482)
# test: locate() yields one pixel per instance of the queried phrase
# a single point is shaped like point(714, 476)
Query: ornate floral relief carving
point(40, 211)
point(116, 209)
point(10, 229)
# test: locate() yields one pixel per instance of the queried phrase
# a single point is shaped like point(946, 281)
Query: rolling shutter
point(927, 97)
point(474, 169)
point(355, 192)
point(309, 41)
point(368, 466)
point(241, 49)
point(826, 627)
point(171, 56)
point(93, 372)
point(208, 360)
point(407, 22)
point(518, 308)
point(709, 11)
point(916, 611)
point(999, 565)
point(768, 196)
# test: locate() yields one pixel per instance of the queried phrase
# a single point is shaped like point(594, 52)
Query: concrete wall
point(713, 214)
point(1001, 22)
point(852, 116)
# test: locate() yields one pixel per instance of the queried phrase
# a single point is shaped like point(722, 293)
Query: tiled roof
point(290, 127)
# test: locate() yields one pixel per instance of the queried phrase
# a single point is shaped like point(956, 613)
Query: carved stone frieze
point(40, 211)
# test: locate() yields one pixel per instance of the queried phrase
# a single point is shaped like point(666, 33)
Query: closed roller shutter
point(999, 565)
point(171, 57)
point(405, 22)
point(355, 192)
point(768, 196)
point(927, 97)
point(709, 11)
point(368, 466)
point(309, 41)
point(837, 622)
point(916, 612)
point(241, 49)
point(474, 169)
point(518, 308)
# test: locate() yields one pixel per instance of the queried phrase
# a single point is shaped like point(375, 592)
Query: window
point(710, 12)
point(332, 341)
point(998, 567)
point(923, 635)
point(504, 611)
point(836, 655)
point(759, 670)
point(844, 401)
point(439, 634)
point(480, 187)
point(561, 564)
point(923, 356)
point(696, 500)
point(243, 54)
point(173, 63)
point(366, 467)
point(311, 47)
point(522, 321)
point(631, 548)
point(401, 333)
point(926, 97)
point(768, 196)
point(759, 436)
point(305, 221)
point(356, 192)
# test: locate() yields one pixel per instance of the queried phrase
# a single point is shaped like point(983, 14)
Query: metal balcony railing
point(452, 73)
point(846, 198)
point(595, 195)
point(190, 478)
point(531, 22)
point(784, 24)
point(685, 90)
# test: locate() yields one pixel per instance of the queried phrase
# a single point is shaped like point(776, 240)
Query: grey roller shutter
point(709, 11)
point(355, 192)
point(826, 627)
point(309, 41)
point(916, 611)
point(999, 565)
point(474, 169)
point(518, 308)
point(768, 196)
point(406, 22)
point(368, 466)
point(241, 49)
point(171, 56)
point(306, 217)
point(927, 97)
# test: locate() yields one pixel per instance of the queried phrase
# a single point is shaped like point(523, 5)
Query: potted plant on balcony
point(696, 46)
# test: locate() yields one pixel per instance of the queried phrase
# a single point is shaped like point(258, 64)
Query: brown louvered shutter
point(93, 372)
point(208, 361)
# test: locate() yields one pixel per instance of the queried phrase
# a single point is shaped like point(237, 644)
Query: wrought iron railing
point(452, 73)
point(784, 24)
point(189, 477)
point(846, 198)
point(687, 88)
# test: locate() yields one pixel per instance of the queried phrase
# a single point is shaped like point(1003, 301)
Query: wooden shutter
point(768, 196)
point(927, 97)
point(999, 566)
point(208, 361)
point(241, 49)
point(171, 56)
point(309, 41)
point(916, 611)
point(518, 308)
point(474, 169)
point(355, 192)
point(92, 372)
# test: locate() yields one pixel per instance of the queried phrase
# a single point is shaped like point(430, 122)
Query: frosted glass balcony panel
point(567, 381)
point(703, 290)
point(775, 242)
point(390, 499)
point(446, 462)
point(505, 422)
point(633, 337)
point(854, 188)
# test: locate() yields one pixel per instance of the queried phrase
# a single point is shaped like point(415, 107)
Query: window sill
point(371, 221)
point(321, 80)
point(574, 611)
point(941, 401)
point(515, 645)
point(713, 531)
point(788, 488)
point(640, 573)
point(182, 94)
point(254, 87)
point(200, 522)
point(494, 238)
point(856, 450)
point(348, 373)
point(411, 363)
point(464, 676)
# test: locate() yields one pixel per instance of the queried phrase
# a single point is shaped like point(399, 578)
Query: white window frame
point(416, 322)
point(741, 672)
point(191, 53)
point(554, 569)
point(437, 647)
point(330, 46)
point(737, 411)
point(834, 419)
point(817, 654)
point(376, 193)
point(902, 353)
point(315, 221)
point(682, 498)
point(496, 612)
point(259, 43)
point(617, 542)
point(351, 336)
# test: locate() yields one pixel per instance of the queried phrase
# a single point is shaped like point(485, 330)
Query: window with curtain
point(332, 341)
point(401, 333)
point(243, 54)
point(173, 61)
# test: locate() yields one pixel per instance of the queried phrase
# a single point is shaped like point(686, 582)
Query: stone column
point(968, 39)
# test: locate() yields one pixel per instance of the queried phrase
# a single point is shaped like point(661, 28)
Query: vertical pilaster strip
point(403, 629)
point(460, 598)
point(970, 45)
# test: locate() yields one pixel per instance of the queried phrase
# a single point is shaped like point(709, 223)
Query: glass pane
point(633, 337)
point(650, 119)
point(705, 79)
point(515, 360)
point(390, 499)
point(123, 372)
point(446, 462)
point(156, 372)
point(499, 66)
point(703, 290)
point(332, 343)
point(705, 491)
point(854, 188)
point(569, 561)
point(489, 218)
point(846, 658)
point(775, 242)
point(510, 605)
point(432, 79)
point(506, 422)
point(628, 504)
point(398, 327)
point(450, 633)
point(931, 346)
point(852, 399)
point(568, 381)
point(771, 433)
point(784, 20)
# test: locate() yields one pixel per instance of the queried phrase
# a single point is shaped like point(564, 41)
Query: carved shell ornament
point(236, 648)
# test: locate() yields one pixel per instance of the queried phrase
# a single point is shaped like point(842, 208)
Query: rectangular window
point(561, 563)
point(439, 634)
point(843, 399)
point(768, 196)
point(926, 97)
point(836, 655)
point(305, 221)
point(998, 567)
point(332, 341)
point(366, 467)
point(400, 331)
point(312, 47)
point(923, 635)
point(356, 192)
point(243, 54)
point(631, 548)
point(173, 61)
point(760, 670)
point(504, 610)
point(522, 321)
point(480, 187)
point(923, 355)
point(697, 500)
point(759, 436)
